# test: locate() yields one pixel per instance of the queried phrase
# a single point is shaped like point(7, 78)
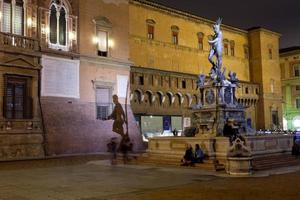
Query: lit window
point(13, 21)
point(175, 31)
point(102, 43)
point(102, 38)
point(150, 28)
point(58, 25)
point(200, 40)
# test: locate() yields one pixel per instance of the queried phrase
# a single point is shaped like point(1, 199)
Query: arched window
point(58, 25)
point(53, 25)
point(62, 27)
point(13, 17)
point(150, 28)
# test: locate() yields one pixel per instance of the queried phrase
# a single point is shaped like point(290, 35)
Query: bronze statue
point(216, 45)
point(118, 115)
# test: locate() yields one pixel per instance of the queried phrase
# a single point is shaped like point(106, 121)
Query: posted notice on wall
point(186, 122)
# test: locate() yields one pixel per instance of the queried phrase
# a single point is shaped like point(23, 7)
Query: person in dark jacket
point(188, 157)
point(229, 130)
point(199, 155)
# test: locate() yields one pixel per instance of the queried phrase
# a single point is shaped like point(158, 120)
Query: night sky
point(281, 16)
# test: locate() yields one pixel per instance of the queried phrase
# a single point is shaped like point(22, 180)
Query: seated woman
point(188, 157)
point(199, 155)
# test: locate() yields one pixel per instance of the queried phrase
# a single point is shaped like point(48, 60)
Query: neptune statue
point(216, 45)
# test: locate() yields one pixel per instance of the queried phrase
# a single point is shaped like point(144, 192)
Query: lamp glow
point(29, 22)
point(95, 40)
point(111, 43)
point(71, 35)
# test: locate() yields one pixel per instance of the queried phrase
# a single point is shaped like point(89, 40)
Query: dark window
point(53, 25)
point(246, 90)
point(270, 53)
point(232, 51)
point(175, 37)
point(62, 27)
point(226, 49)
point(17, 99)
point(256, 90)
point(232, 45)
point(275, 120)
point(298, 87)
point(297, 70)
point(298, 103)
point(150, 32)
point(200, 40)
point(141, 80)
point(184, 84)
point(58, 25)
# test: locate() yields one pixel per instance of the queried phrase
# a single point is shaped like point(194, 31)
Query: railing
point(18, 41)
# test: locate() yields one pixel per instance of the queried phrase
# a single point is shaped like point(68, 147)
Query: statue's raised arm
point(216, 45)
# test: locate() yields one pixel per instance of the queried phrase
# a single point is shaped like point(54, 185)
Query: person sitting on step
point(199, 155)
point(188, 157)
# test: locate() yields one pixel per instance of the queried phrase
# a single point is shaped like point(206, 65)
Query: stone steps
point(271, 162)
point(169, 161)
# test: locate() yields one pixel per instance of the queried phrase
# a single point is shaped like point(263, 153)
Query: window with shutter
point(103, 102)
point(17, 99)
point(6, 17)
point(18, 18)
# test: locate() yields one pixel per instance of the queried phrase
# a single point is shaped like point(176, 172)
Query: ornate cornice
point(183, 15)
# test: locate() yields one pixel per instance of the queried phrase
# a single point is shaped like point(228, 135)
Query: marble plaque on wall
point(60, 77)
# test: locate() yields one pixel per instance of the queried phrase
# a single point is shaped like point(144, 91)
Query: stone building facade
point(58, 73)
point(290, 77)
point(21, 122)
point(174, 45)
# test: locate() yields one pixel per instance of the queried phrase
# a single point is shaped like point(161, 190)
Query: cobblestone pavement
point(90, 179)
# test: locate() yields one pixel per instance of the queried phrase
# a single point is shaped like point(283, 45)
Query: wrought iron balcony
point(10, 41)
